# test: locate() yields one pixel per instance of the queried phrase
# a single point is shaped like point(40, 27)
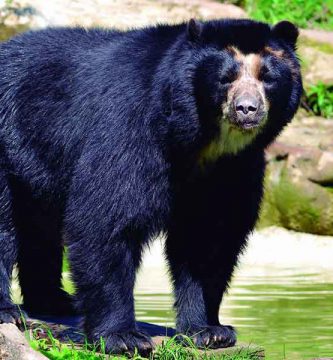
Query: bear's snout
point(246, 105)
point(248, 110)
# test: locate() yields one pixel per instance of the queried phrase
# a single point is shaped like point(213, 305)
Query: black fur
point(100, 137)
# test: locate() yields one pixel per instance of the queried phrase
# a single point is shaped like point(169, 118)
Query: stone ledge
point(14, 346)
point(67, 329)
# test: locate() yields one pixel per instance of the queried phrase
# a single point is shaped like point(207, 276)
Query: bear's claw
point(213, 337)
point(129, 341)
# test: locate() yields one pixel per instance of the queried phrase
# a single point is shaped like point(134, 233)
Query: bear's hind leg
point(9, 313)
point(40, 259)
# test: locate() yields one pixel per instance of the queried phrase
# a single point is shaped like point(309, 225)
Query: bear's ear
point(194, 30)
point(286, 31)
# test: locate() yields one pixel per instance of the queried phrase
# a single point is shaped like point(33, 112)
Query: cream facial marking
point(233, 138)
point(248, 77)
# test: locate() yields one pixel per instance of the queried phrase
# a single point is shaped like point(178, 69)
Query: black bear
point(109, 138)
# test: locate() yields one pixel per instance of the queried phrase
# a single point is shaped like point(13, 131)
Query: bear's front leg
point(201, 261)
point(198, 292)
point(104, 274)
point(103, 266)
point(212, 217)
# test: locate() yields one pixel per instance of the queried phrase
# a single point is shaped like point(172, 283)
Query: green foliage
point(306, 14)
point(54, 350)
point(319, 99)
point(66, 281)
point(65, 262)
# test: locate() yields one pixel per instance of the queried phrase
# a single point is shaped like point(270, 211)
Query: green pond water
point(289, 314)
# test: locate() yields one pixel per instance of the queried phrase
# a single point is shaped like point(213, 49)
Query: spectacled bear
point(109, 138)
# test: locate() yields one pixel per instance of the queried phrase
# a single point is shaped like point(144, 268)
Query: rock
point(318, 35)
point(14, 346)
point(249, 351)
point(309, 131)
point(254, 352)
point(315, 48)
point(316, 65)
point(322, 172)
point(125, 14)
point(299, 179)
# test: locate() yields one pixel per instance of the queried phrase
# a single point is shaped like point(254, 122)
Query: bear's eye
point(228, 77)
point(267, 75)
point(225, 79)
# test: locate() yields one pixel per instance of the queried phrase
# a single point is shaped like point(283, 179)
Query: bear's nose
point(246, 105)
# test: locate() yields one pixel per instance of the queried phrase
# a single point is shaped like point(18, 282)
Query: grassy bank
point(168, 350)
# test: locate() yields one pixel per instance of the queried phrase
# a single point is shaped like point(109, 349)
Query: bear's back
point(59, 86)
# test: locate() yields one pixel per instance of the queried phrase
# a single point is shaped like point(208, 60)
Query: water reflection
point(287, 311)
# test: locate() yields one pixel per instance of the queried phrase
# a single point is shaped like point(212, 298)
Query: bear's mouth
point(248, 124)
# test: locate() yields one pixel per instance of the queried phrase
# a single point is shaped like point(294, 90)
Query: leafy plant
point(306, 14)
point(319, 99)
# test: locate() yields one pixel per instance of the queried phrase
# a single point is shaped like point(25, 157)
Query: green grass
point(305, 14)
point(168, 350)
point(53, 349)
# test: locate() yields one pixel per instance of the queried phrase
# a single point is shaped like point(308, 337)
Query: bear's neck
point(229, 141)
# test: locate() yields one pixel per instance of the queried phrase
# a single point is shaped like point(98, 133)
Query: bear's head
point(246, 82)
